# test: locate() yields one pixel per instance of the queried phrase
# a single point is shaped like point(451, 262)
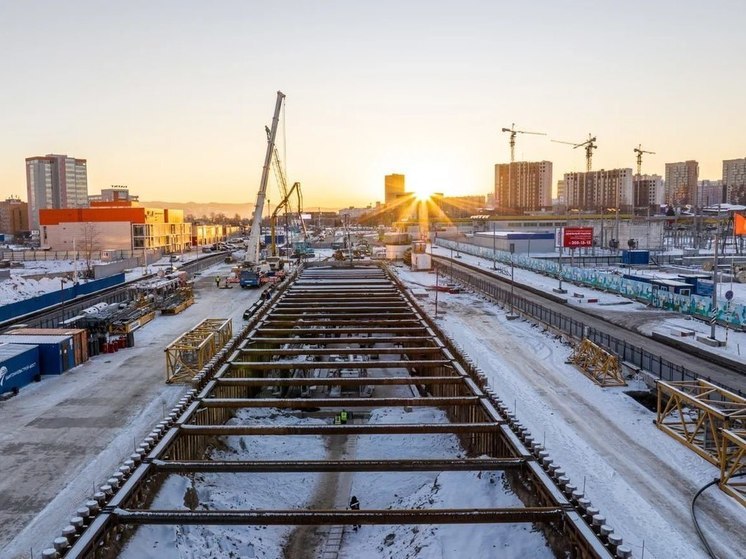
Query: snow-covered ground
point(382, 490)
point(641, 479)
point(432, 490)
point(19, 287)
point(234, 491)
point(612, 302)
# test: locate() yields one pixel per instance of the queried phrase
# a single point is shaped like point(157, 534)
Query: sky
point(171, 98)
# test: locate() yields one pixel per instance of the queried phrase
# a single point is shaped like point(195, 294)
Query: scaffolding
point(712, 422)
point(733, 466)
point(190, 352)
point(599, 365)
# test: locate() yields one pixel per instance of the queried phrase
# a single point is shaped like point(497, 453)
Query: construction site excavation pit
point(342, 389)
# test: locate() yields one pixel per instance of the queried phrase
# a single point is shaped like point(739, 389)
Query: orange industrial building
point(114, 225)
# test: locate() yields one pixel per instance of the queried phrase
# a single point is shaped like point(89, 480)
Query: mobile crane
point(252, 260)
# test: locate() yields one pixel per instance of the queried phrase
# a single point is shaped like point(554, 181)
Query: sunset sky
point(171, 97)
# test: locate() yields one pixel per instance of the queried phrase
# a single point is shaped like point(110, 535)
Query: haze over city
point(172, 98)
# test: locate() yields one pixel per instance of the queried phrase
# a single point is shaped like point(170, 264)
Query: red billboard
point(575, 237)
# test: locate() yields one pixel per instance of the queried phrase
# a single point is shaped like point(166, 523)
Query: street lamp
point(511, 315)
point(494, 251)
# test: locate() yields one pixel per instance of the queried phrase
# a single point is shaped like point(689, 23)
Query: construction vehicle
point(513, 133)
point(639, 151)
point(252, 260)
point(248, 278)
point(589, 147)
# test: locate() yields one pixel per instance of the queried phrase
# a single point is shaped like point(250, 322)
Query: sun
point(422, 191)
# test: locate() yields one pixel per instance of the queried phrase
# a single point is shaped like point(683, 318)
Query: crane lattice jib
point(252, 248)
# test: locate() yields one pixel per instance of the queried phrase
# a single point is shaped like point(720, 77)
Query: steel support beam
point(349, 340)
point(309, 403)
point(336, 365)
point(325, 517)
point(300, 466)
point(340, 351)
point(359, 381)
point(349, 429)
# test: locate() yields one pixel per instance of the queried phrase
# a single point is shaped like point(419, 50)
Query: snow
point(611, 302)
point(235, 492)
point(426, 490)
point(641, 479)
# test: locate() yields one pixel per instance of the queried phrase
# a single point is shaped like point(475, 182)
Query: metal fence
point(726, 313)
point(645, 360)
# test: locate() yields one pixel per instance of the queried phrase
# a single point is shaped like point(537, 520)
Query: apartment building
point(55, 181)
point(523, 185)
point(600, 190)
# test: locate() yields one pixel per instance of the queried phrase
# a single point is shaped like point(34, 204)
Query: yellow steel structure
point(191, 351)
point(733, 466)
point(697, 412)
point(599, 365)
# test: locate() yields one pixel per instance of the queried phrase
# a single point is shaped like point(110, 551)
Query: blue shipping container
point(641, 257)
point(56, 353)
point(19, 365)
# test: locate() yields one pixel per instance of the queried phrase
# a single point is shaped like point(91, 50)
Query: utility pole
point(494, 251)
point(511, 315)
point(713, 318)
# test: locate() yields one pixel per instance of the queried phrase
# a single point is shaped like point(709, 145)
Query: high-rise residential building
point(13, 216)
point(734, 181)
point(709, 193)
point(393, 188)
point(681, 183)
point(523, 185)
point(561, 192)
point(55, 181)
point(647, 191)
point(599, 190)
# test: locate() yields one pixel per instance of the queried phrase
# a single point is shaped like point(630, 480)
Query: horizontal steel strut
point(289, 466)
point(322, 517)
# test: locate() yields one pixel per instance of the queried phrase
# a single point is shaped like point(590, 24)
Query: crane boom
point(639, 151)
point(279, 172)
point(513, 133)
point(252, 247)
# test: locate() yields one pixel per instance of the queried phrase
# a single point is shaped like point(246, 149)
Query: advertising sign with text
point(576, 237)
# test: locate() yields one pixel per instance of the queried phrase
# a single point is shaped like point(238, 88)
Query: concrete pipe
point(50, 553)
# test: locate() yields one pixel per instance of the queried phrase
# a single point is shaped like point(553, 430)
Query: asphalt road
point(66, 435)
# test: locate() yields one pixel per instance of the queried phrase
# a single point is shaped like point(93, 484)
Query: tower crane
point(589, 146)
point(252, 246)
point(513, 133)
point(639, 151)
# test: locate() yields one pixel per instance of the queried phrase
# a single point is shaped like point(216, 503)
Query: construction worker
point(355, 505)
point(343, 417)
point(217, 281)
